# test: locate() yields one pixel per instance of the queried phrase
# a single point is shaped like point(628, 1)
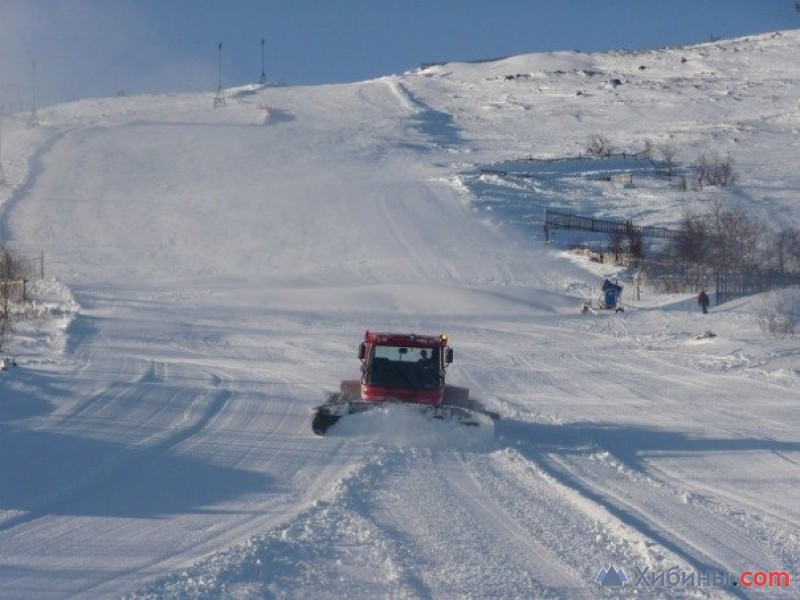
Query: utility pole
point(219, 99)
point(263, 74)
point(2, 175)
point(33, 120)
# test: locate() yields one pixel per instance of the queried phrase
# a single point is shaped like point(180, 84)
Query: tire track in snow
point(727, 435)
point(268, 507)
point(615, 535)
point(409, 522)
point(676, 521)
point(442, 528)
point(256, 433)
point(689, 532)
point(330, 548)
point(514, 519)
point(118, 465)
point(35, 168)
point(576, 529)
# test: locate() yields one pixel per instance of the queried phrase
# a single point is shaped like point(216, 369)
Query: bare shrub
point(714, 171)
point(720, 173)
point(616, 244)
point(700, 168)
point(738, 236)
point(648, 153)
point(599, 146)
point(10, 276)
point(668, 153)
point(6, 320)
point(634, 243)
point(693, 244)
point(721, 240)
point(783, 250)
point(776, 316)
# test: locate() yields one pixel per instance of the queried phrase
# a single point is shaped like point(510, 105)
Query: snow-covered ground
point(210, 272)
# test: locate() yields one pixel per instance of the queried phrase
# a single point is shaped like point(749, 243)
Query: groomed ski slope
point(225, 269)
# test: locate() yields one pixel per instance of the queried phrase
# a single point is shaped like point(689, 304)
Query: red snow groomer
point(402, 368)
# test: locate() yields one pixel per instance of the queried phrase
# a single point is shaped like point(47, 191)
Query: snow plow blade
point(329, 413)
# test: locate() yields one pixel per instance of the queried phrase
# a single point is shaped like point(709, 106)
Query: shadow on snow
point(45, 472)
point(628, 444)
point(51, 473)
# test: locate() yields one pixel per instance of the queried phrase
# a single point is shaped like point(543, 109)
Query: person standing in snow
point(703, 301)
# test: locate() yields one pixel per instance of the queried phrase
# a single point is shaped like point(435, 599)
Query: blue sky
point(87, 48)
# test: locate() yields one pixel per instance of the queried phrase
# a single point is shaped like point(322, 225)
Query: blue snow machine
point(611, 297)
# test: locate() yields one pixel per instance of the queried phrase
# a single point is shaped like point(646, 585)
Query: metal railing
point(13, 290)
point(733, 285)
point(565, 220)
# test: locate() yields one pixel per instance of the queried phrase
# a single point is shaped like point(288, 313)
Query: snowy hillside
point(210, 273)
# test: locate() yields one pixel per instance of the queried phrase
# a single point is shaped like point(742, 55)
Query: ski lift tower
point(33, 119)
point(219, 99)
point(263, 74)
point(2, 115)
